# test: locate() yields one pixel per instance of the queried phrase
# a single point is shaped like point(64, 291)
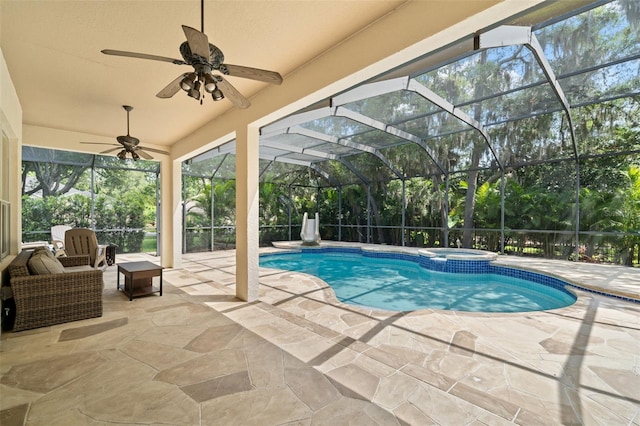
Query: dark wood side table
point(138, 278)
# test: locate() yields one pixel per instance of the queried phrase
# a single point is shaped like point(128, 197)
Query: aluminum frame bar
point(299, 150)
point(324, 174)
point(387, 128)
point(447, 106)
point(350, 144)
point(353, 170)
point(409, 84)
point(512, 35)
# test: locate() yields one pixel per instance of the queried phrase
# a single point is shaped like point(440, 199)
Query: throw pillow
point(45, 251)
point(41, 264)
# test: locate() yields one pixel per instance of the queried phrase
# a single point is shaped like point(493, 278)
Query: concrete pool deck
point(197, 355)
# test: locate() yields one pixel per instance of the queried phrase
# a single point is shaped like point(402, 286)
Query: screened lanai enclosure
point(116, 198)
point(522, 139)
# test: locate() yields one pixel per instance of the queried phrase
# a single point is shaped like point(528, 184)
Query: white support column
point(15, 195)
point(247, 204)
point(170, 213)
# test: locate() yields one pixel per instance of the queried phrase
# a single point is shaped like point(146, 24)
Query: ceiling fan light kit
point(205, 58)
point(187, 82)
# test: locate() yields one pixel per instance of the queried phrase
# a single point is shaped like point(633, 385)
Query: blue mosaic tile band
point(463, 266)
point(390, 255)
point(354, 250)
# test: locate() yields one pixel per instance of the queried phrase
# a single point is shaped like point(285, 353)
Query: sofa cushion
point(42, 264)
point(81, 268)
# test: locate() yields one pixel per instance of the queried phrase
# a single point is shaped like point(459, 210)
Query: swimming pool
point(404, 282)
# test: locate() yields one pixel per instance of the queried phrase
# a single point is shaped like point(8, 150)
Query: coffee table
point(138, 278)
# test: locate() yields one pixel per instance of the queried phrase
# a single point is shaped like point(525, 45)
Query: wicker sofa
point(53, 298)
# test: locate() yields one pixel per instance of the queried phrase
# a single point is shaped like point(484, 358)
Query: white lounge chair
point(310, 233)
point(57, 239)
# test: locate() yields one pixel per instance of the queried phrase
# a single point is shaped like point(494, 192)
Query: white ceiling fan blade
point(232, 93)
point(172, 88)
point(254, 74)
point(198, 42)
point(143, 56)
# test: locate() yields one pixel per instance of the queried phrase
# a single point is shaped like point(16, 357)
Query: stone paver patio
point(199, 356)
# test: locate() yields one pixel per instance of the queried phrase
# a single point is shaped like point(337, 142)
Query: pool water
point(402, 285)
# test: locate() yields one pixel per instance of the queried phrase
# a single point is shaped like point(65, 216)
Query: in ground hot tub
point(458, 254)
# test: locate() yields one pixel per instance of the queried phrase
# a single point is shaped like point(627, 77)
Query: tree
point(50, 178)
point(121, 198)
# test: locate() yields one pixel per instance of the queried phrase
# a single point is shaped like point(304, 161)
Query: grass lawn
point(149, 244)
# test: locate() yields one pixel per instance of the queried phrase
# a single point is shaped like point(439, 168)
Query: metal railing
point(596, 247)
point(127, 240)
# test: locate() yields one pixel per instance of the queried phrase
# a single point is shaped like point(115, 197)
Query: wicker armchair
point(43, 300)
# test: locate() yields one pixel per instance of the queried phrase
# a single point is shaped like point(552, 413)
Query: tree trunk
point(376, 216)
point(472, 182)
point(469, 207)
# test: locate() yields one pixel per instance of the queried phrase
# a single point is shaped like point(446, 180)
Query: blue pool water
point(404, 285)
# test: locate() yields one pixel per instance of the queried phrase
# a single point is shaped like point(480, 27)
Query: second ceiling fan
point(205, 58)
point(128, 144)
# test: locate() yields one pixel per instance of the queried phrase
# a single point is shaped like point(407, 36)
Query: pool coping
point(493, 259)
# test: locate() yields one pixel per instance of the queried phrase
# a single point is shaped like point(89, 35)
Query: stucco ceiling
point(63, 81)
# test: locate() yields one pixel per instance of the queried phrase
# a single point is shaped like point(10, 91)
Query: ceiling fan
point(128, 144)
point(205, 58)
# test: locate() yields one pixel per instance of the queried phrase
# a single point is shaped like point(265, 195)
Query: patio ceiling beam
point(341, 111)
point(510, 35)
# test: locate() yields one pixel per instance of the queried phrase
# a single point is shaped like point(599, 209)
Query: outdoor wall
point(11, 125)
